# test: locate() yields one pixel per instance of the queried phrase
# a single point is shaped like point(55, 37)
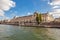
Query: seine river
point(9, 32)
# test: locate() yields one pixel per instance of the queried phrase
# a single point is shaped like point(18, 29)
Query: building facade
point(57, 20)
point(32, 18)
point(47, 17)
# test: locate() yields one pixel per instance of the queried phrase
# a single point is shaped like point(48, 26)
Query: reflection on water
point(8, 32)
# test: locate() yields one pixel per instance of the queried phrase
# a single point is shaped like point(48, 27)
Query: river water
point(9, 32)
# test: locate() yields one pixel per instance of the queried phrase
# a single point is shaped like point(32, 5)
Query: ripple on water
point(55, 33)
point(8, 32)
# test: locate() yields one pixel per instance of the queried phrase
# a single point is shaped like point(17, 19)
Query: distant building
point(4, 21)
point(57, 20)
point(47, 17)
point(32, 18)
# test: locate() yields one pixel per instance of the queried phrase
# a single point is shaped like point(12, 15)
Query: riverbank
point(41, 25)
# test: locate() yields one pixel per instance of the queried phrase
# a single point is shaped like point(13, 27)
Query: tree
point(38, 18)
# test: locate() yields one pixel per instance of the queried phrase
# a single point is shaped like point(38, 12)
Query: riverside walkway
point(48, 25)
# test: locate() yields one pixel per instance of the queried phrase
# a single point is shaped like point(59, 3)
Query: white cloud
point(29, 13)
point(1, 13)
point(55, 13)
point(5, 5)
point(4, 18)
point(55, 7)
point(55, 4)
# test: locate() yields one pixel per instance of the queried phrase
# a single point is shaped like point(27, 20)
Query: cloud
point(5, 5)
point(4, 18)
point(55, 4)
point(1, 13)
point(55, 13)
point(55, 7)
point(29, 13)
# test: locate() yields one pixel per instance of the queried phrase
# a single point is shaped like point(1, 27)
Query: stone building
point(24, 19)
point(57, 20)
point(47, 17)
point(4, 21)
point(32, 18)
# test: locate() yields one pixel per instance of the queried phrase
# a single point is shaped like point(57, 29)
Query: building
point(46, 17)
point(32, 18)
point(57, 20)
point(4, 21)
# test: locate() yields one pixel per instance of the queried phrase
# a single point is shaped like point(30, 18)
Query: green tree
point(38, 18)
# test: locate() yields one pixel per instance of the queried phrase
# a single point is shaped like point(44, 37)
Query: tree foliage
point(38, 18)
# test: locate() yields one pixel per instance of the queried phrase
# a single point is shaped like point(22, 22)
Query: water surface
point(9, 32)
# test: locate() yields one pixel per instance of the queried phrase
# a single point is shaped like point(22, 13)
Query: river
point(9, 32)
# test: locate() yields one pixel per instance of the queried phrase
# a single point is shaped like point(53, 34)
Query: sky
point(11, 8)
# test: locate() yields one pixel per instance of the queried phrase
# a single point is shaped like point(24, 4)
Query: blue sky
point(11, 8)
point(23, 7)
